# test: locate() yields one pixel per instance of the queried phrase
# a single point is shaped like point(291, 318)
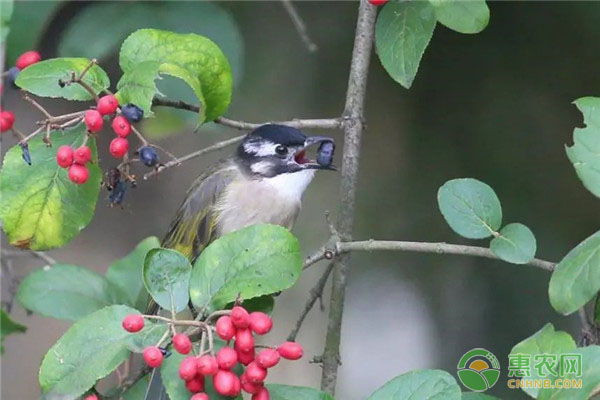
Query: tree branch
point(299, 25)
point(353, 127)
point(339, 248)
point(321, 123)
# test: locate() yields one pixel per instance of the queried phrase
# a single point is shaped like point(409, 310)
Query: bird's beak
point(324, 154)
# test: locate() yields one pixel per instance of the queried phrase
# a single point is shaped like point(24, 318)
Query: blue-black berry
point(25, 153)
point(12, 75)
point(148, 156)
point(118, 193)
point(132, 112)
point(325, 154)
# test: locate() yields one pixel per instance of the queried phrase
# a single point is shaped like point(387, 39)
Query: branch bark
point(352, 127)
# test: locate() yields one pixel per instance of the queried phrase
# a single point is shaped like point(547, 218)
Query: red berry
point(28, 58)
point(224, 382)
point(378, 3)
point(244, 340)
point(254, 373)
point(263, 394)
point(248, 386)
point(226, 357)
point(91, 397)
point(121, 126)
point(119, 147)
point(200, 396)
point(267, 358)
point(225, 328)
point(240, 317)
point(64, 156)
point(207, 365)
point(78, 174)
point(245, 357)
point(188, 368)
point(93, 120)
point(153, 356)
point(7, 119)
point(196, 384)
point(237, 387)
point(107, 104)
point(133, 323)
point(260, 322)
point(290, 350)
point(182, 343)
point(82, 155)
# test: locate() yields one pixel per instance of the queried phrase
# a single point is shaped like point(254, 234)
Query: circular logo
point(478, 370)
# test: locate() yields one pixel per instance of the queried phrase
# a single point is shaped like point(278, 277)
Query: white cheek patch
point(261, 149)
point(261, 167)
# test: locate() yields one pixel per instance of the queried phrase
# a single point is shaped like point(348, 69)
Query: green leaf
point(253, 261)
point(576, 279)
point(402, 33)
point(197, 55)
point(477, 396)
point(137, 391)
point(516, 244)
point(66, 291)
point(430, 384)
point(126, 273)
point(91, 349)
point(585, 152)
point(7, 327)
point(6, 10)
point(40, 207)
point(287, 392)
point(191, 80)
point(264, 304)
point(167, 278)
point(137, 85)
point(544, 341)
point(470, 207)
point(42, 78)
point(148, 336)
point(204, 18)
point(464, 16)
point(590, 377)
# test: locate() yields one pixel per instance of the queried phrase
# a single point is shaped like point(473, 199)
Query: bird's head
point(272, 150)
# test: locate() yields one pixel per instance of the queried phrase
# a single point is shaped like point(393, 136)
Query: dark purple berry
point(325, 154)
point(132, 112)
point(25, 153)
point(12, 75)
point(148, 156)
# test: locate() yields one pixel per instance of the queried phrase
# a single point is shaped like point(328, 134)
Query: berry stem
point(37, 105)
point(27, 138)
point(164, 336)
point(139, 135)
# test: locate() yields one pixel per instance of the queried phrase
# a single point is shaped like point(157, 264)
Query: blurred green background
point(494, 106)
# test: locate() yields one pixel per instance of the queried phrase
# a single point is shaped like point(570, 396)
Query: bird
point(261, 183)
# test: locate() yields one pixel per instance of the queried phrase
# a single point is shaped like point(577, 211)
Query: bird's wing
point(193, 227)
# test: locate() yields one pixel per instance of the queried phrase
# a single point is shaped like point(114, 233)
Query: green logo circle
point(478, 370)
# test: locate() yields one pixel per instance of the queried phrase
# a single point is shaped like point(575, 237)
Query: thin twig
point(353, 127)
point(315, 293)
point(139, 135)
point(299, 25)
point(37, 105)
point(321, 123)
point(178, 160)
point(329, 251)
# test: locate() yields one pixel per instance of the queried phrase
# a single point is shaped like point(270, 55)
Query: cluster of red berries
point(121, 124)
point(239, 325)
point(378, 3)
point(7, 118)
point(75, 160)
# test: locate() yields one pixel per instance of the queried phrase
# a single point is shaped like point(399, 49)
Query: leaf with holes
point(42, 78)
point(254, 261)
point(167, 278)
point(470, 207)
point(576, 279)
point(66, 291)
point(402, 33)
point(420, 384)
point(464, 16)
point(516, 244)
point(40, 207)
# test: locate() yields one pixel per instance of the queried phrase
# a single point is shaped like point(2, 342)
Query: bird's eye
point(281, 150)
